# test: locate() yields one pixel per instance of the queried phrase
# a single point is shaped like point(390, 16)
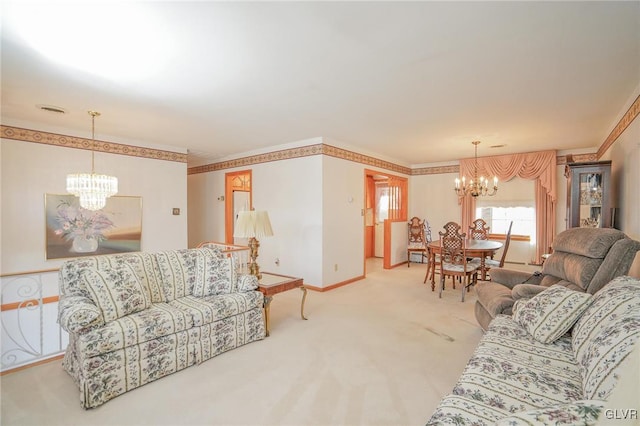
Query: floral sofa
point(557, 360)
point(136, 317)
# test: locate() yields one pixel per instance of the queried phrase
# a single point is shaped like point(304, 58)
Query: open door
point(237, 197)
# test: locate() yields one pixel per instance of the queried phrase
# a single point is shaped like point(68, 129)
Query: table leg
point(267, 305)
point(304, 297)
point(428, 266)
point(433, 271)
point(483, 270)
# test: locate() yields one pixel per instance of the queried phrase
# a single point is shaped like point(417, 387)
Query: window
point(499, 217)
point(382, 204)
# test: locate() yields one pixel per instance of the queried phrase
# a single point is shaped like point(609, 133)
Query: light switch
point(176, 211)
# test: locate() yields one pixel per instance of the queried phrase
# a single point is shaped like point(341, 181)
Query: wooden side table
point(270, 284)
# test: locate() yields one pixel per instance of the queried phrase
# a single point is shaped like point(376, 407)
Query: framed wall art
point(72, 231)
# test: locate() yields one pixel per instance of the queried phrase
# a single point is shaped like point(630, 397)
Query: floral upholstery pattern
point(606, 333)
point(215, 276)
point(161, 319)
point(179, 271)
point(145, 265)
point(513, 378)
point(78, 313)
point(109, 356)
point(578, 413)
point(247, 282)
point(212, 308)
point(512, 372)
point(116, 291)
point(551, 313)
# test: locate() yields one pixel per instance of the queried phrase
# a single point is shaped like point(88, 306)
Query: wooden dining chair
point(454, 263)
point(418, 239)
point(478, 230)
point(492, 263)
point(450, 229)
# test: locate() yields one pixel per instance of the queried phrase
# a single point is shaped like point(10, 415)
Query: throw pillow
point(606, 335)
point(550, 314)
point(247, 282)
point(116, 291)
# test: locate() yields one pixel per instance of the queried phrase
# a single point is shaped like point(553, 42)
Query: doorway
point(386, 198)
point(238, 197)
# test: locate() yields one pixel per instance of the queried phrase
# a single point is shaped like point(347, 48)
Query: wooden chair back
point(478, 230)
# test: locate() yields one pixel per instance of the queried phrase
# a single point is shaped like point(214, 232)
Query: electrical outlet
point(335, 267)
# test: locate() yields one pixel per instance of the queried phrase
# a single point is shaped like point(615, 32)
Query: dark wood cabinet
point(589, 194)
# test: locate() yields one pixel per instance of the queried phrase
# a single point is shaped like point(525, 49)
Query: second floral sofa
point(558, 360)
point(136, 317)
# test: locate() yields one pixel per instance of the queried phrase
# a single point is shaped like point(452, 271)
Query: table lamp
point(253, 225)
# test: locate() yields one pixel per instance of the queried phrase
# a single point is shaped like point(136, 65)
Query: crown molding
point(27, 135)
point(622, 125)
point(305, 151)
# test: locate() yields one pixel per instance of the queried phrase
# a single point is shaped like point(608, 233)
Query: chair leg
point(441, 286)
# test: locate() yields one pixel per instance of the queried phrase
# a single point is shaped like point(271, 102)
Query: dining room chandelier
point(476, 186)
point(92, 189)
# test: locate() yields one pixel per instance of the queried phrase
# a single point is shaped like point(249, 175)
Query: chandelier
point(476, 186)
point(92, 189)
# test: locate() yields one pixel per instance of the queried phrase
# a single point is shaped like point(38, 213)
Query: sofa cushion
point(215, 275)
point(550, 314)
point(460, 410)
point(117, 292)
point(179, 271)
point(583, 412)
point(159, 320)
point(205, 310)
point(605, 334)
point(512, 371)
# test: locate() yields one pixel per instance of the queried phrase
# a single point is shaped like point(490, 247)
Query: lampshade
point(253, 224)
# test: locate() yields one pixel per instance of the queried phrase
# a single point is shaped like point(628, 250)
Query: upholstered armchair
point(583, 259)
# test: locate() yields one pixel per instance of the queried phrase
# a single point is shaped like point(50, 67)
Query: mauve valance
point(532, 165)
point(537, 166)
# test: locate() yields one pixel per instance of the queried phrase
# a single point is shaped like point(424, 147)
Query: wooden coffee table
point(270, 284)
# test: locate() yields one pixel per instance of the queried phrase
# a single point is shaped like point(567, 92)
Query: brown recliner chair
point(583, 259)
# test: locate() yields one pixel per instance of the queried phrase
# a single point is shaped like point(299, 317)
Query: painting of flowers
point(73, 231)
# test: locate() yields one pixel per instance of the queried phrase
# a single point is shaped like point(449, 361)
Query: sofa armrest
point(510, 278)
point(76, 313)
point(585, 412)
point(526, 291)
point(247, 282)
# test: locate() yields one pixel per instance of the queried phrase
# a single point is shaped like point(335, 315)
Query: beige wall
point(625, 173)
point(31, 170)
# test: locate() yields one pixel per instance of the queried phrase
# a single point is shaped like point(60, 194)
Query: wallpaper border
point(27, 135)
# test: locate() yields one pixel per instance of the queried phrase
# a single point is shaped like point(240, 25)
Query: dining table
point(473, 248)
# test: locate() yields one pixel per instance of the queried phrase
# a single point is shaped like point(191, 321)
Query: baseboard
point(332, 286)
point(33, 364)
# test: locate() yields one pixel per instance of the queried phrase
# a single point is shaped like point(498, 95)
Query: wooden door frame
point(228, 201)
point(386, 260)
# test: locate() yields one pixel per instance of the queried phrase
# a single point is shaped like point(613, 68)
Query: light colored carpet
point(381, 351)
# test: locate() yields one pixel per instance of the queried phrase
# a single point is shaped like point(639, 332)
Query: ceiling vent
point(51, 108)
